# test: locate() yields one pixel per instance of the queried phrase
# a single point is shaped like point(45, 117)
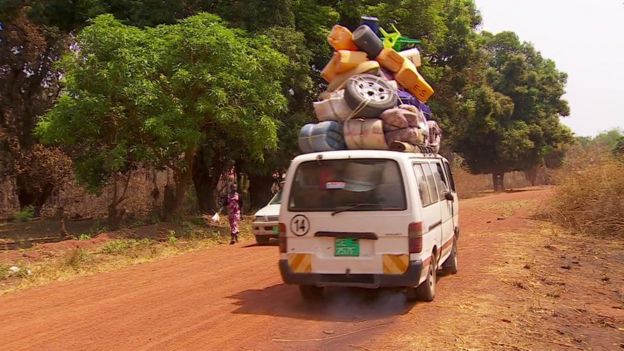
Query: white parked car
point(265, 222)
point(370, 219)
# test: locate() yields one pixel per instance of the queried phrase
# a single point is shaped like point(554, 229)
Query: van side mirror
point(449, 196)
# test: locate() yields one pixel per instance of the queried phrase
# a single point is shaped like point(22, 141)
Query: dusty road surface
point(522, 285)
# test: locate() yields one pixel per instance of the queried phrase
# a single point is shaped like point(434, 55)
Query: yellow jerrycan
point(342, 61)
point(409, 78)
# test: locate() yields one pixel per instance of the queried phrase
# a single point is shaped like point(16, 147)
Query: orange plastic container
point(409, 78)
point(364, 67)
point(341, 62)
point(340, 38)
point(329, 72)
point(391, 60)
point(347, 60)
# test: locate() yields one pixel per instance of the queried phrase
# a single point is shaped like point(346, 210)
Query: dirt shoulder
point(522, 285)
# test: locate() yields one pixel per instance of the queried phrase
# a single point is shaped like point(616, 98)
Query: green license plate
point(275, 230)
point(347, 247)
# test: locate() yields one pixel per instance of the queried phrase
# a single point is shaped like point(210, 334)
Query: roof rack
point(407, 147)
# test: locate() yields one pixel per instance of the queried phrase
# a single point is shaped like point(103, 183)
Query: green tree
point(298, 30)
point(609, 138)
point(530, 128)
point(452, 61)
point(153, 96)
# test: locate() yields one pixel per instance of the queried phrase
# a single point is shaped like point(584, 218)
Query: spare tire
point(368, 41)
point(369, 95)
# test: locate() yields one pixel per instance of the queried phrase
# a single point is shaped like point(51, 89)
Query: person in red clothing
point(234, 203)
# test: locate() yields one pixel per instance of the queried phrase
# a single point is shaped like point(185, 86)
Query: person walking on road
point(234, 203)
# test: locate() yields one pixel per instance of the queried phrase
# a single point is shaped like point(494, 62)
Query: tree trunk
point(498, 181)
point(207, 170)
point(205, 186)
point(115, 215)
point(260, 190)
point(175, 195)
point(61, 215)
point(32, 196)
point(531, 175)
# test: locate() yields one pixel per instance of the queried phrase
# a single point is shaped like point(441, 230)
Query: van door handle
point(434, 225)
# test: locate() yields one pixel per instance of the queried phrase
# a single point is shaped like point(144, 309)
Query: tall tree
point(28, 87)
point(529, 128)
point(153, 96)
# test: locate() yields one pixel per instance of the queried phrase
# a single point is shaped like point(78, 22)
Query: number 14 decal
point(300, 225)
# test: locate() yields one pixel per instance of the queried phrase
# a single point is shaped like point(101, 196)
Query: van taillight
point(414, 234)
point(282, 237)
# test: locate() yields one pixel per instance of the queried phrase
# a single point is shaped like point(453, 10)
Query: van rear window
point(347, 185)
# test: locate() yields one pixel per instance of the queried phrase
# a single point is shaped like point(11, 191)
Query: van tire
point(450, 265)
point(311, 292)
point(426, 290)
point(262, 240)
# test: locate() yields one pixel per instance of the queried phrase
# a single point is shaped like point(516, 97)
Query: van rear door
point(348, 216)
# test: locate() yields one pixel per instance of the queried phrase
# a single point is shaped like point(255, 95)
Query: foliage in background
point(456, 59)
point(24, 215)
point(511, 122)
point(149, 97)
point(28, 87)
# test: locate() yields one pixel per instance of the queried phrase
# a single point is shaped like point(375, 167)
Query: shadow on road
point(338, 304)
point(271, 243)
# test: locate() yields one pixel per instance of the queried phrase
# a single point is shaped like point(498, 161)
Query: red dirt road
point(510, 294)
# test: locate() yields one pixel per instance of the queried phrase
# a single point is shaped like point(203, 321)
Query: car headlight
point(260, 218)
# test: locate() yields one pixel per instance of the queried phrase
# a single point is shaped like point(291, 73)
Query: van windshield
point(347, 185)
point(277, 199)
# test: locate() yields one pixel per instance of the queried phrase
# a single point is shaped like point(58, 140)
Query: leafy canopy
point(512, 121)
point(151, 96)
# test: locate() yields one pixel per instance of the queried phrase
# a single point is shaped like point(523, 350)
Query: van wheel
point(450, 265)
point(426, 290)
point(262, 240)
point(311, 292)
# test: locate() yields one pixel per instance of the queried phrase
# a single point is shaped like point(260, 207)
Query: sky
point(585, 39)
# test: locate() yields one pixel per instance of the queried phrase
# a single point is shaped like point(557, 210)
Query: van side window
point(437, 178)
point(423, 188)
point(447, 168)
point(442, 178)
point(431, 182)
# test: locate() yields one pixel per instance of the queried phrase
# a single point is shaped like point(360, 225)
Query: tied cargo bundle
point(375, 98)
point(323, 136)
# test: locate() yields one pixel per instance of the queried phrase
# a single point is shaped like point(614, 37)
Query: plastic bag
point(216, 217)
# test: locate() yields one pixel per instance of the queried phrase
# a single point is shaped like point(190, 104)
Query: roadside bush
point(589, 197)
point(116, 247)
point(77, 258)
point(25, 215)
point(125, 246)
point(4, 271)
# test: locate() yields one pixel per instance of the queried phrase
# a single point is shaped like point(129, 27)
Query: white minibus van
point(370, 219)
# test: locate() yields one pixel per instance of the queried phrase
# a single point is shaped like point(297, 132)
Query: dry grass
point(589, 197)
point(113, 255)
point(508, 208)
point(473, 185)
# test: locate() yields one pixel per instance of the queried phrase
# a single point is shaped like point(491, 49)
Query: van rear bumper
point(410, 278)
